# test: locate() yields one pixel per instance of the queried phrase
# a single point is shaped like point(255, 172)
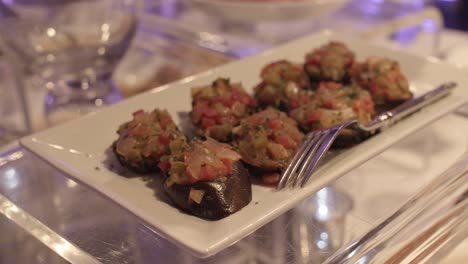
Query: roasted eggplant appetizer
point(334, 104)
point(267, 140)
point(330, 62)
point(144, 140)
point(217, 108)
point(384, 80)
point(207, 179)
point(281, 85)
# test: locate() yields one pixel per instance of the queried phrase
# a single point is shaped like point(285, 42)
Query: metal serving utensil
point(317, 143)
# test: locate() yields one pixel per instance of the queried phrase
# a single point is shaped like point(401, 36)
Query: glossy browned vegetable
point(218, 107)
point(330, 62)
point(218, 198)
point(143, 141)
point(332, 105)
point(384, 80)
point(282, 81)
point(267, 140)
point(207, 178)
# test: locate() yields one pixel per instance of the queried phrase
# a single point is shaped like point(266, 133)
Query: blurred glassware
point(387, 9)
point(71, 46)
point(13, 120)
point(353, 17)
point(323, 215)
point(256, 11)
point(263, 18)
point(162, 53)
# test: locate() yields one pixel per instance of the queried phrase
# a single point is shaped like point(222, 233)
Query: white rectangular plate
point(78, 147)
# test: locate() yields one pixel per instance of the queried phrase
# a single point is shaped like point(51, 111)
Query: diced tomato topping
point(191, 176)
point(155, 155)
point(164, 165)
point(207, 122)
point(164, 140)
point(139, 130)
point(294, 103)
point(286, 141)
point(236, 95)
point(209, 112)
point(368, 105)
point(252, 102)
point(165, 120)
point(270, 178)
point(241, 97)
point(374, 88)
point(256, 120)
point(226, 101)
point(217, 99)
point(356, 106)
point(138, 112)
point(314, 61)
point(209, 160)
point(313, 116)
point(297, 136)
point(275, 124)
point(209, 172)
point(228, 164)
point(331, 103)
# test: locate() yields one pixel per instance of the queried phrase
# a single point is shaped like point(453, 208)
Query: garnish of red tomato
point(139, 130)
point(164, 165)
point(138, 112)
point(210, 112)
point(313, 116)
point(209, 160)
point(207, 122)
point(165, 120)
point(286, 141)
point(228, 164)
point(275, 124)
point(164, 140)
point(366, 105)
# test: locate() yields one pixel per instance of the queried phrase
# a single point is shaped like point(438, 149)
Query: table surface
point(58, 220)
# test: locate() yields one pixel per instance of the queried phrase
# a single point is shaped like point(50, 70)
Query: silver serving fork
point(316, 143)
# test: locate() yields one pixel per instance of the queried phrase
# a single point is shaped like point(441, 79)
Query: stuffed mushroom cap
point(144, 140)
point(384, 80)
point(218, 107)
point(331, 62)
point(281, 81)
point(332, 105)
point(207, 179)
point(267, 140)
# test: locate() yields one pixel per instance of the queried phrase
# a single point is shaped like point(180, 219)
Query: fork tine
point(322, 135)
point(325, 145)
point(293, 165)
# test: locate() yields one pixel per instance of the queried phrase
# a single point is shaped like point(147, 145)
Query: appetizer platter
point(211, 146)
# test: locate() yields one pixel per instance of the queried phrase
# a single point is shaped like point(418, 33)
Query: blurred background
point(62, 59)
point(73, 57)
